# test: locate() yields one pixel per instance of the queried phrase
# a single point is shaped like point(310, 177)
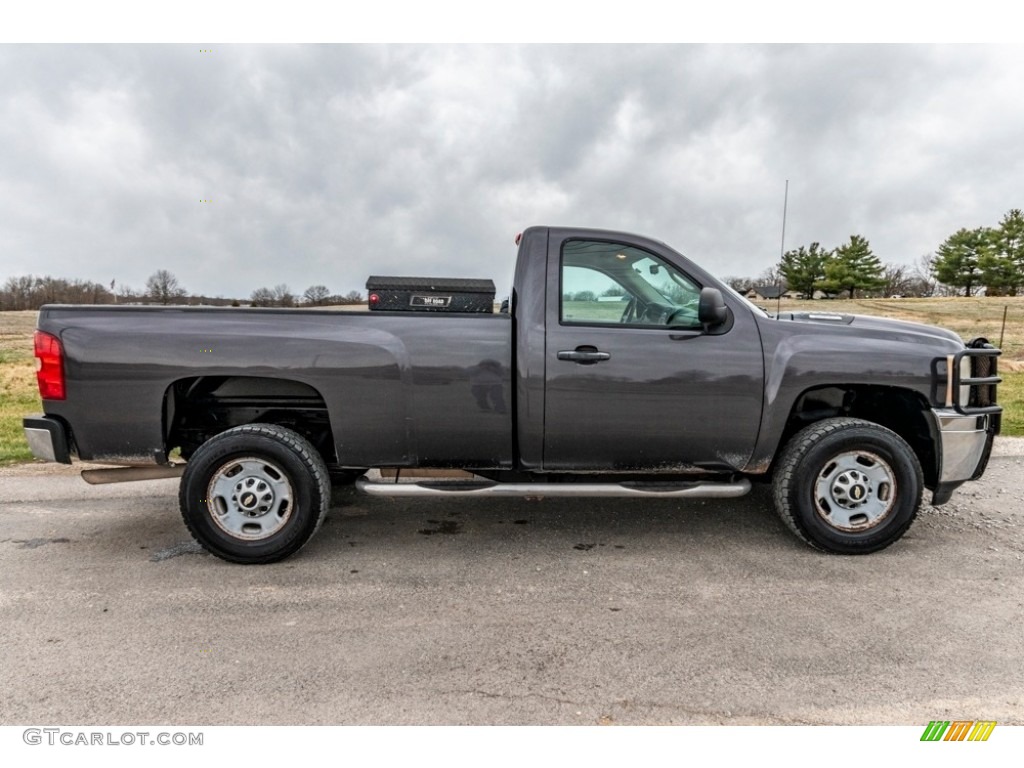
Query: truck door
point(632, 381)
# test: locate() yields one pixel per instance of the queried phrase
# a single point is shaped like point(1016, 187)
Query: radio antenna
point(782, 252)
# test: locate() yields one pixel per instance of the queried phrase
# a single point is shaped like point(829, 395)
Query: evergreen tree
point(956, 262)
point(1003, 265)
point(998, 274)
point(804, 268)
point(853, 267)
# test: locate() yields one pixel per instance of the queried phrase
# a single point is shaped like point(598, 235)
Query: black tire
point(848, 486)
point(254, 494)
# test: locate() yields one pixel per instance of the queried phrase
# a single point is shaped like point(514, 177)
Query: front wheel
point(254, 494)
point(848, 486)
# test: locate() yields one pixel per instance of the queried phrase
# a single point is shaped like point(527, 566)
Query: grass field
point(967, 317)
point(18, 393)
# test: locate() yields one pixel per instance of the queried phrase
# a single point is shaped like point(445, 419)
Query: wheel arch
point(904, 411)
point(197, 408)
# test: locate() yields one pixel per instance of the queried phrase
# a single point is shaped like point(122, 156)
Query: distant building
point(771, 293)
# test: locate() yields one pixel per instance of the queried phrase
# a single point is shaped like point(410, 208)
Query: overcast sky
point(325, 164)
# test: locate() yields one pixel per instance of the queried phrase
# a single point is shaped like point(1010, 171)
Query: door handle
point(584, 355)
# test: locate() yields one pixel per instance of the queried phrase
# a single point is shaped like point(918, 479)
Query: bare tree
point(128, 295)
point(896, 280)
point(772, 276)
point(924, 276)
point(30, 292)
point(739, 284)
point(283, 296)
point(163, 287)
point(18, 293)
point(262, 297)
point(316, 295)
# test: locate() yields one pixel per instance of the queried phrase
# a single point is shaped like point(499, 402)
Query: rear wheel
point(254, 494)
point(848, 486)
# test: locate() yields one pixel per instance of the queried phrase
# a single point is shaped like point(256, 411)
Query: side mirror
point(711, 309)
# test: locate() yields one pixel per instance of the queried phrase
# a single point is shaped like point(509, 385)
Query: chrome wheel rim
point(855, 491)
point(250, 498)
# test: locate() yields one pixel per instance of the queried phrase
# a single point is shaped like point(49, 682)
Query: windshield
point(671, 286)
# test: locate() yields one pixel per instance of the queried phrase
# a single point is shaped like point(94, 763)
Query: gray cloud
point(327, 163)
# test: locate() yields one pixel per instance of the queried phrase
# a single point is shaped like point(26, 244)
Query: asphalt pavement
point(507, 612)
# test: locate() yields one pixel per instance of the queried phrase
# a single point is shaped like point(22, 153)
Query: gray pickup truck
point(619, 368)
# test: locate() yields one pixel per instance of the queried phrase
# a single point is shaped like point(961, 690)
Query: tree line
point(162, 287)
point(989, 258)
point(314, 296)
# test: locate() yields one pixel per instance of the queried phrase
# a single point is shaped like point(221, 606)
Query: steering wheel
point(679, 314)
point(656, 314)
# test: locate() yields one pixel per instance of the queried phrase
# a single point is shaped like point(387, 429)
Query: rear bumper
point(47, 438)
point(965, 443)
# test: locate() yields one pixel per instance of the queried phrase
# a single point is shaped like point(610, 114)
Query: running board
point(638, 490)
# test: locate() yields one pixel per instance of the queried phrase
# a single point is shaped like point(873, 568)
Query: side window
point(616, 284)
point(590, 296)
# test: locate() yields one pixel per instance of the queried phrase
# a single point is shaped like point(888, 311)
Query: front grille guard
point(946, 384)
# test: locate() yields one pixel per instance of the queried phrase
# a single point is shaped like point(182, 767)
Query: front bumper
point(964, 446)
point(47, 438)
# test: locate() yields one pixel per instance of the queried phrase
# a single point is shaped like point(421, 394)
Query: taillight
point(49, 366)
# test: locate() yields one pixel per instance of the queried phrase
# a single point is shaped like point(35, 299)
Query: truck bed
point(399, 388)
